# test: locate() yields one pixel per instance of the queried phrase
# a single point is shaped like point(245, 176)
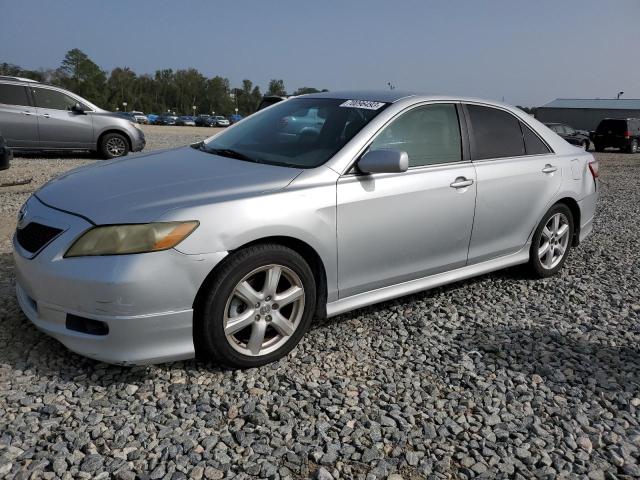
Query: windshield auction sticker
point(366, 104)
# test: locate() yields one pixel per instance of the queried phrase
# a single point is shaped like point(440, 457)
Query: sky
point(527, 52)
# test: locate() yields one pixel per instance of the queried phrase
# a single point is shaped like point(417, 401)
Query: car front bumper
point(145, 300)
point(138, 140)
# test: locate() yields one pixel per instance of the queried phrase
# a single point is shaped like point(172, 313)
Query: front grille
point(35, 236)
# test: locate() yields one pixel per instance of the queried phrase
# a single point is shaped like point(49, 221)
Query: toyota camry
point(229, 248)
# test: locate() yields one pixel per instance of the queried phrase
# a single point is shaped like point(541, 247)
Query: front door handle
point(26, 113)
point(548, 168)
point(46, 115)
point(461, 182)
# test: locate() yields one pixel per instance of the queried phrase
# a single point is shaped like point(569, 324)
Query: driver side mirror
point(77, 108)
point(384, 161)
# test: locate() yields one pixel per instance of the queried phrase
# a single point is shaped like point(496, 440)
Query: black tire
point(113, 145)
point(633, 147)
point(536, 267)
point(209, 337)
point(585, 145)
point(599, 148)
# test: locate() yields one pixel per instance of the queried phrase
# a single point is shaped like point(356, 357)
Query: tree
point(81, 75)
point(276, 87)
point(305, 90)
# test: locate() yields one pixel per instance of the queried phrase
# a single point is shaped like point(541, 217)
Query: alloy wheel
point(264, 310)
point(116, 146)
point(554, 241)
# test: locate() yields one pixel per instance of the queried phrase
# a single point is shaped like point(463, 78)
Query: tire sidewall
point(209, 336)
point(103, 146)
point(534, 260)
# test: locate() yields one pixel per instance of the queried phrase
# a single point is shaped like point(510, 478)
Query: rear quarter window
point(13, 95)
point(532, 143)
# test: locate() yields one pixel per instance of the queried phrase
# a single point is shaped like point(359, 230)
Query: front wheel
point(551, 241)
point(633, 148)
point(256, 309)
point(113, 145)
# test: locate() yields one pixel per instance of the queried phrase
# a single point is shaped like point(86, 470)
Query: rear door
point(18, 121)
point(59, 126)
point(517, 176)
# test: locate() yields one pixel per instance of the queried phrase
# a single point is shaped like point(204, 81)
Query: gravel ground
point(497, 377)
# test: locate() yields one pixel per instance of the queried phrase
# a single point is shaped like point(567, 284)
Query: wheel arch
point(305, 250)
point(114, 130)
point(575, 211)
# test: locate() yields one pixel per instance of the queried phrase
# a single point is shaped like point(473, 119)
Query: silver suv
point(38, 116)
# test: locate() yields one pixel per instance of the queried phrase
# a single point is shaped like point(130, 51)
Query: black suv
point(571, 135)
point(622, 133)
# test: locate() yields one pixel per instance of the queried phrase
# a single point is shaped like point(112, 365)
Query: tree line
point(166, 90)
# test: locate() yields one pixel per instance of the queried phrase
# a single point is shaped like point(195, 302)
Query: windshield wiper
point(228, 152)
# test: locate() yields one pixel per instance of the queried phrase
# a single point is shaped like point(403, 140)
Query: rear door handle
point(461, 182)
point(549, 168)
point(26, 113)
point(46, 115)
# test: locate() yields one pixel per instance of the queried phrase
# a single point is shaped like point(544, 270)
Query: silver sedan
point(229, 249)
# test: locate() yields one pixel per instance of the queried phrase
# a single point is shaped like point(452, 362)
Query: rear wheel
point(257, 308)
point(633, 147)
point(113, 145)
point(551, 241)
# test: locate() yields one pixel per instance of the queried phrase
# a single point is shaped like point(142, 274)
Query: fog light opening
point(86, 325)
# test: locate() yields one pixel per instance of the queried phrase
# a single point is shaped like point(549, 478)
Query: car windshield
point(299, 133)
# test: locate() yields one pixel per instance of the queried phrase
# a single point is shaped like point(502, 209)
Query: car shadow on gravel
point(571, 358)
point(53, 155)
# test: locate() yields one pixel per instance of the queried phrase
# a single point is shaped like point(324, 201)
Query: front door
point(397, 227)
point(58, 124)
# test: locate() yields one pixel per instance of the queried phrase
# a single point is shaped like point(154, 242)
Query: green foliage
point(166, 90)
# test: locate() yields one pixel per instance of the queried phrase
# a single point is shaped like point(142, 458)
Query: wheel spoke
point(560, 249)
point(556, 223)
point(281, 324)
point(257, 337)
point(542, 251)
point(247, 294)
point(289, 295)
point(242, 321)
point(563, 230)
point(546, 232)
point(272, 280)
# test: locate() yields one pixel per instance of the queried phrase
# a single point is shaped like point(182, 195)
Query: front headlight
point(134, 238)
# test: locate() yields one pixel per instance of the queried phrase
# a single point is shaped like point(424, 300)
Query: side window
point(13, 95)
point(533, 144)
point(430, 135)
point(496, 133)
point(45, 98)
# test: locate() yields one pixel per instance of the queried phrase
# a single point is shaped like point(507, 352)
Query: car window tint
point(533, 144)
point(45, 98)
point(496, 133)
point(13, 95)
point(430, 135)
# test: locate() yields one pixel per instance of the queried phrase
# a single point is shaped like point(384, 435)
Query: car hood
point(141, 188)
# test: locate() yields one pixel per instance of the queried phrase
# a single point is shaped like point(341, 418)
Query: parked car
point(152, 118)
point(140, 117)
point(579, 138)
point(5, 154)
point(221, 121)
point(204, 120)
point(623, 133)
point(37, 116)
point(166, 119)
point(269, 100)
point(185, 120)
point(229, 249)
point(235, 118)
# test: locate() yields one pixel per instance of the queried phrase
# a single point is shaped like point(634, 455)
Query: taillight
point(627, 134)
point(594, 168)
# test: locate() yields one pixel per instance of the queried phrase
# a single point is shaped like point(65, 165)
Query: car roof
point(387, 96)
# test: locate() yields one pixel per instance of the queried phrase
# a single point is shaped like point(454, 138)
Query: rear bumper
point(145, 300)
point(587, 213)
